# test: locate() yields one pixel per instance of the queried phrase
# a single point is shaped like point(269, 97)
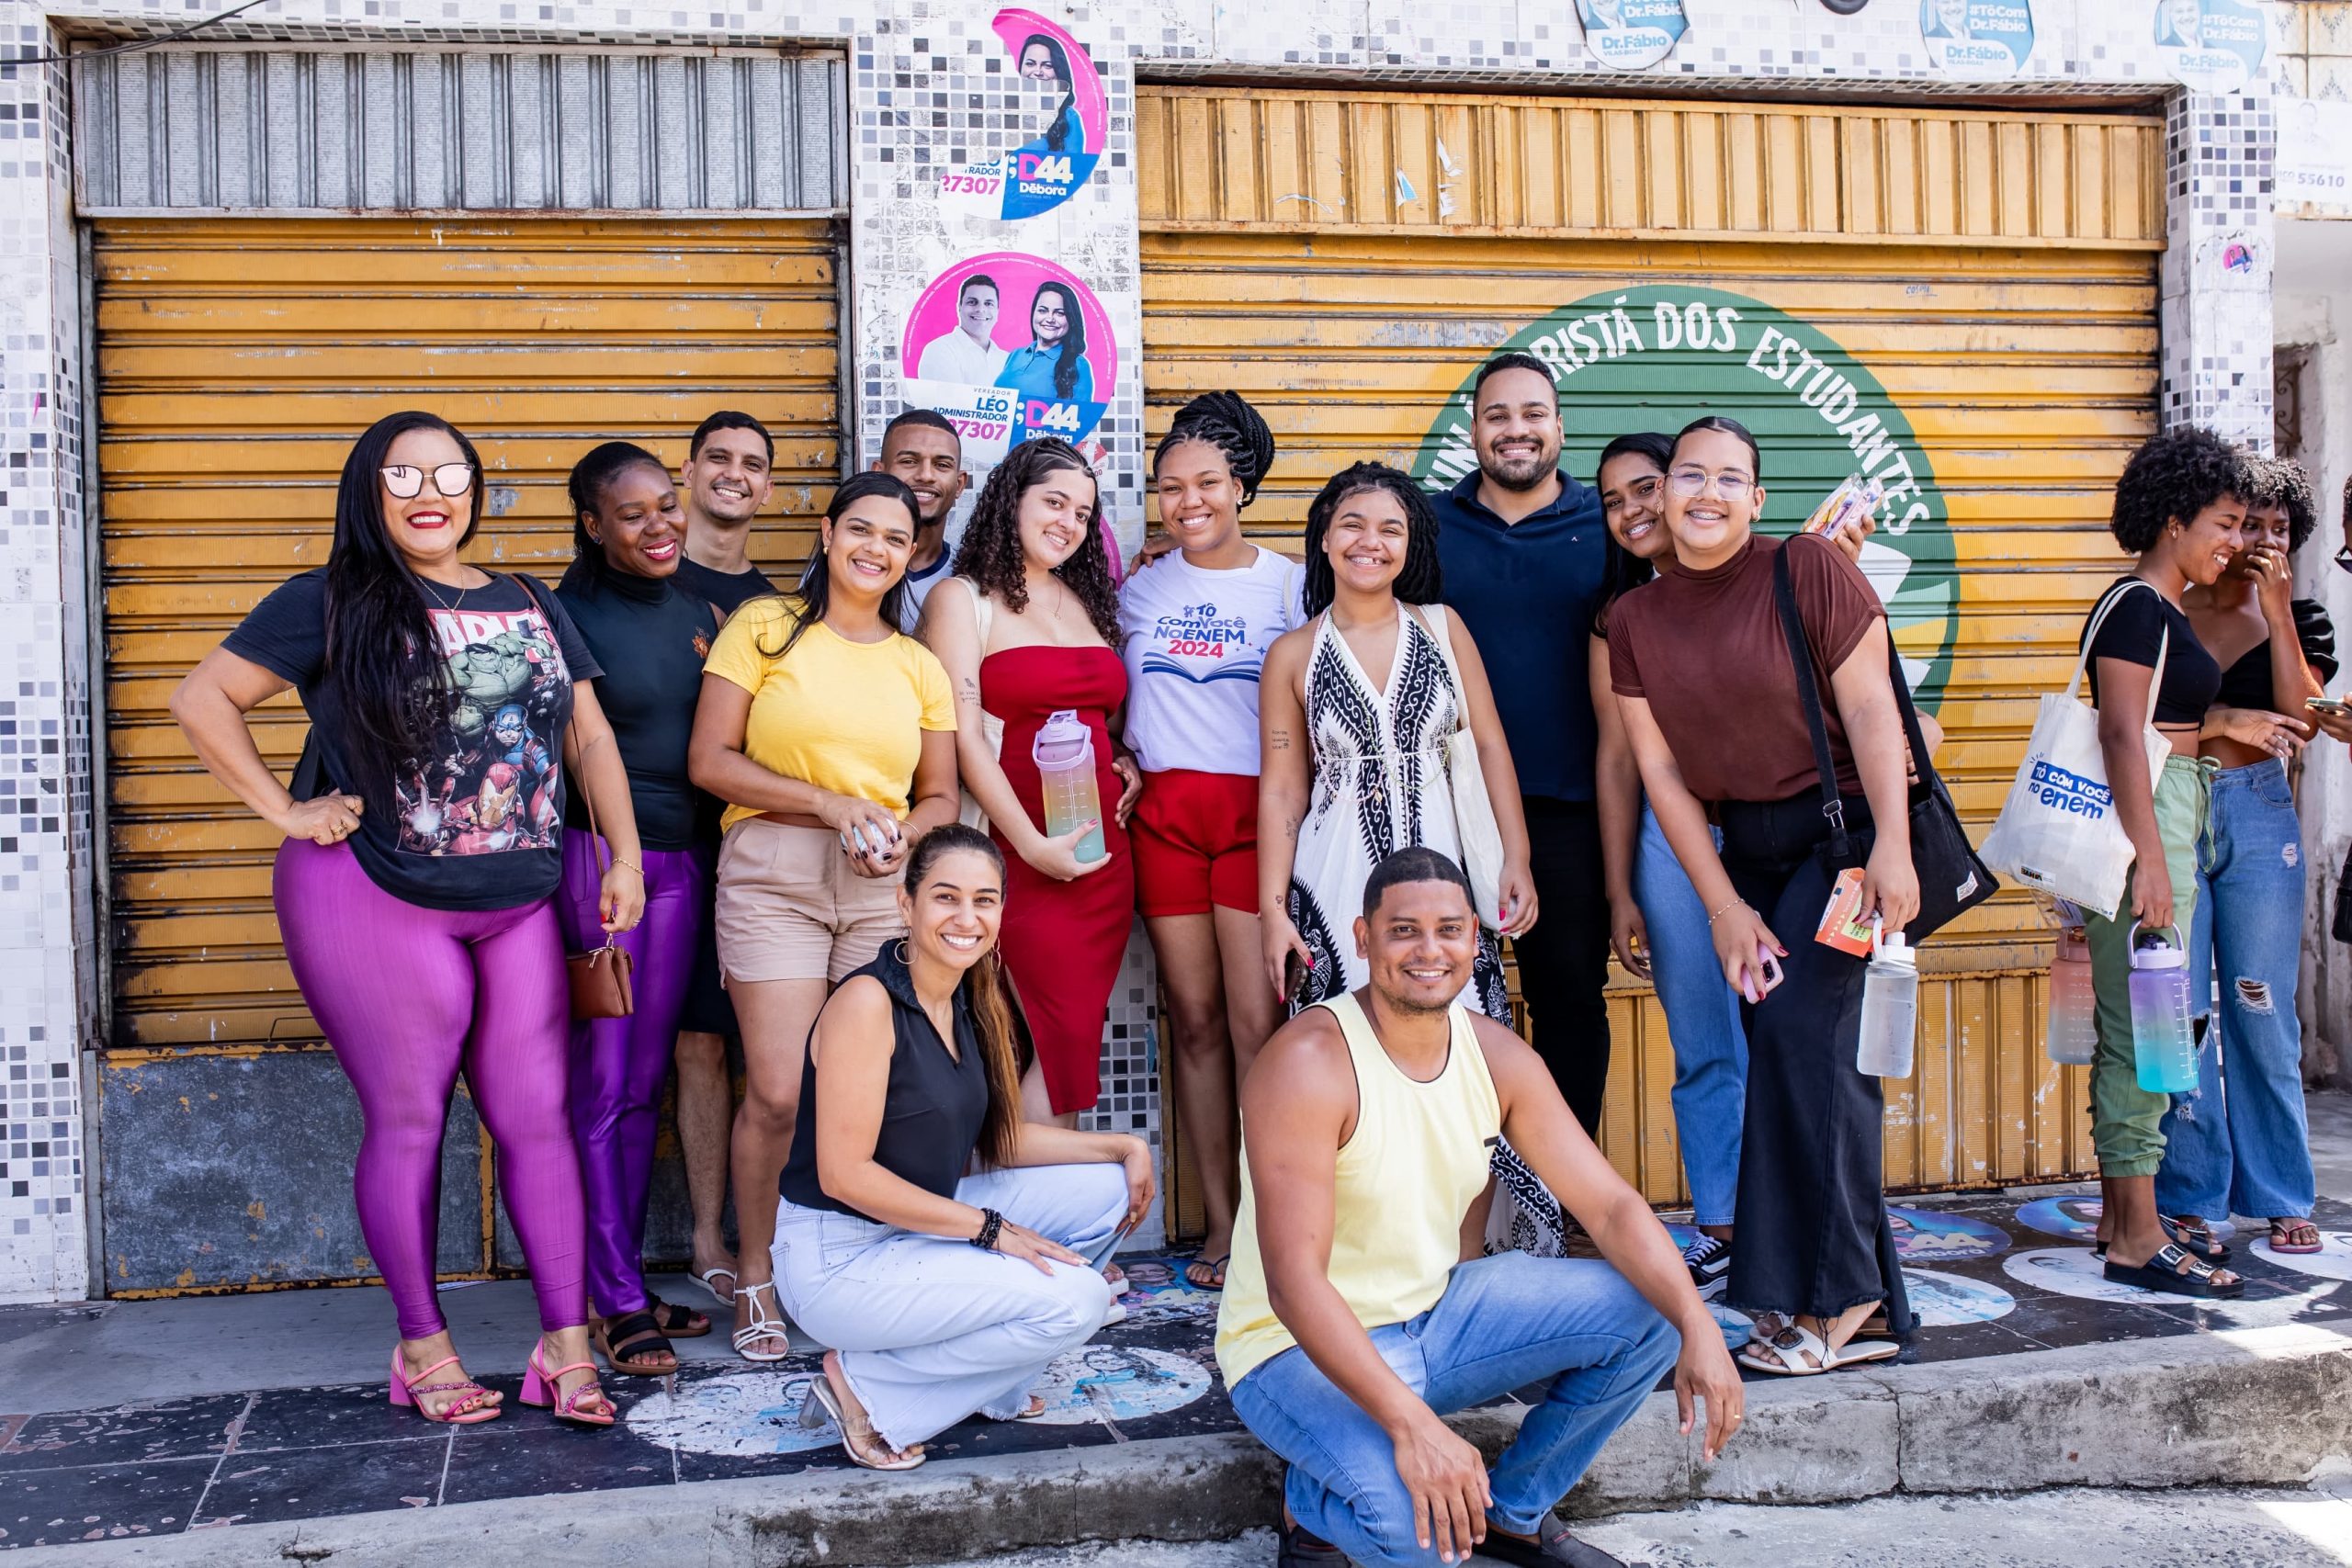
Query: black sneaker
point(1553, 1547)
point(1300, 1550)
point(1709, 1259)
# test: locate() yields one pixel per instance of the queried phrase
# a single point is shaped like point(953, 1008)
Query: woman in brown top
point(1709, 696)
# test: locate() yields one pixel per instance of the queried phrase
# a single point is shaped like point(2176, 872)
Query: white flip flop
point(705, 1279)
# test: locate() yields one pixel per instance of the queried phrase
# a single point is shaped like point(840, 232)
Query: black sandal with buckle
point(2173, 1272)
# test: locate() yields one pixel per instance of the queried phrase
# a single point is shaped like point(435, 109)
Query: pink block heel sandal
point(541, 1387)
point(478, 1406)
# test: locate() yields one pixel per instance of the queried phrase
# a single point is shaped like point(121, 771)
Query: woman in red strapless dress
point(1028, 628)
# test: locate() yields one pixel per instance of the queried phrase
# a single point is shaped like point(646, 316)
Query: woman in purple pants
point(651, 635)
point(415, 889)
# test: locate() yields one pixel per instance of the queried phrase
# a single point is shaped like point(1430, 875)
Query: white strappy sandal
point(761, 1326)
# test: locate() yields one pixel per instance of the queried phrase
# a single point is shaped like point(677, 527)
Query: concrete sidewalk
point(253, 1429)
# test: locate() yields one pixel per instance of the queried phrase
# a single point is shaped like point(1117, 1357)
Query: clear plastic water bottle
point(2164, 1043)
point(1064, 752)
point(1890, 1008)
point(2074, 1006)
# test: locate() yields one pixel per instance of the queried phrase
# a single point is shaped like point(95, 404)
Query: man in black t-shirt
point(728, 478)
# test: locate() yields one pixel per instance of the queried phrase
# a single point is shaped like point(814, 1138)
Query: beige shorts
point(791, 908)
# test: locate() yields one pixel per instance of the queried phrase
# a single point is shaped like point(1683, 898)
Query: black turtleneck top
point(651, 636)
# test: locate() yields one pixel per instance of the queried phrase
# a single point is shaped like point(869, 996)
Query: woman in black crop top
point(946, 1248)
point(2179, 508)
point(2248, 1151)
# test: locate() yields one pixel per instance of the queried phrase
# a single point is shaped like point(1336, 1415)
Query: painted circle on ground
point(1948, 1301)
point(2070, 1219)
point(1157, 1293)
point(1656, 357)
point(2332, 1261)
point(740, 1415)
point(1929, 1235)
point(2073, 1272)
point(1118, 1382)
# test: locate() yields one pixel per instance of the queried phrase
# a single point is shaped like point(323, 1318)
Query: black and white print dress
point(1379, 785)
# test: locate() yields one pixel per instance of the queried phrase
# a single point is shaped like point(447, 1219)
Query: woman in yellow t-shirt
point(832, 738)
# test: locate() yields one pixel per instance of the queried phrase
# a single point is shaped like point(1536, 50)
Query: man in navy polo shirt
point(1521, 543)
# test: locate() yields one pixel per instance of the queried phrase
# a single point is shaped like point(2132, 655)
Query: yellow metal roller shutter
point(236, 362)
point(1346, 263)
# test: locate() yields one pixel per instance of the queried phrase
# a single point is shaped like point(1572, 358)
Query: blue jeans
point(1703, 1022)
point(1504, 1322)
point(2237, 1144)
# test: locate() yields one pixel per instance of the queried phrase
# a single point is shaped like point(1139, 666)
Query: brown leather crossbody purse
point(600, 981)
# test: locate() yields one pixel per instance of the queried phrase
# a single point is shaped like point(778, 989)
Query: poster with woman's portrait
point(1627, 35)
point(1009, 346)
point(2213, 46)
point(1980, 39)
point(1061, 123)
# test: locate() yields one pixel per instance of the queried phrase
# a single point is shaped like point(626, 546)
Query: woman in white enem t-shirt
point(1195, 628)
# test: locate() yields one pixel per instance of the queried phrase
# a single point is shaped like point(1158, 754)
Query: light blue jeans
point(932, 1329)
point(2238, 1143)
point(1702, 1020)
point(1504, 1322)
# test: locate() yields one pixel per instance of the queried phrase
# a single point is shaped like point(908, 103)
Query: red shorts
point(1196, 843)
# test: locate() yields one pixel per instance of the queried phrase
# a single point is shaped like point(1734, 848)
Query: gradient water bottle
point(1064, 752)
point(2074, 1006)
point(1890, 1008)
point(2164, 1043)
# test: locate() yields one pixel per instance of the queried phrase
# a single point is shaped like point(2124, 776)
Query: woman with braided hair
point(1196, 628)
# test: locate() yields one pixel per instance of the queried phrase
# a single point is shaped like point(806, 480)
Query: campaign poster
point(1061, 124)
point(1627, 35)
point(1980, 39)
point(2314, 161)
point(2213, 46)
point(1009, 347)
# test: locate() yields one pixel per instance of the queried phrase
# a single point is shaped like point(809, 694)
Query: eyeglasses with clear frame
point(1731, 484)
point(450, 481)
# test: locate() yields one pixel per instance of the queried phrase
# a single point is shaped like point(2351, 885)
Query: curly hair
point(1227, 422)
point(1421, 582)
point(2275, 482)
point(990, 554)
point(2174, 474)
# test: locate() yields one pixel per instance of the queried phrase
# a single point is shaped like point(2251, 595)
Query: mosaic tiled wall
point(927, 83)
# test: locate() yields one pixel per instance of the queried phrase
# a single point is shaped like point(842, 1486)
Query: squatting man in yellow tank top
point(1357, 1310)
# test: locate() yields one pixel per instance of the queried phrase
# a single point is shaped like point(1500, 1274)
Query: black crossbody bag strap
point(1833, 805)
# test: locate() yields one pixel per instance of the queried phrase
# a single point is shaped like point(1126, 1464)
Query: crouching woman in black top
point(944, 1292)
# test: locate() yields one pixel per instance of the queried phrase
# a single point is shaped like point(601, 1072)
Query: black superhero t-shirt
point(477, 823)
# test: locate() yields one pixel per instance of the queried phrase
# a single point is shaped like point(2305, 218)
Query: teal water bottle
point(2164, 1044)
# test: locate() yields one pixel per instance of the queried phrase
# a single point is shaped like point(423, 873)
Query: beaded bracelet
point(991, 1223)
point(1725, 910)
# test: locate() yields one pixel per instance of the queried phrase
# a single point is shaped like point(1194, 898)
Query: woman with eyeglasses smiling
point(1709, 697)
point(416, 886)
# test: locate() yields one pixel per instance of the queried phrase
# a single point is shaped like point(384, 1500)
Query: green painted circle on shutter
point(1656, 358)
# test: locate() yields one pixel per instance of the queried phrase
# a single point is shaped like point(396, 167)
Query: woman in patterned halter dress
point(1353, 769)
point(1374, 778)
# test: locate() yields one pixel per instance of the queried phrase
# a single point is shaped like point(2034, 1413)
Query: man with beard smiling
point(923, 450)
point(1521, 543)
point(1352, 1319)
point(728, 478)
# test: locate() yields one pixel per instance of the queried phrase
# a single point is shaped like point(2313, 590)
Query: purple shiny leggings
point(407, 996)
point(618, 1064)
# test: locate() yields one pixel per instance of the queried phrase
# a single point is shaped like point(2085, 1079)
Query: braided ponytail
point(1227, 422)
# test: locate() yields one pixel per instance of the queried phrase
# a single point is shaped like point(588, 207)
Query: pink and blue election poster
point(1009, 347)
point(1062, 120)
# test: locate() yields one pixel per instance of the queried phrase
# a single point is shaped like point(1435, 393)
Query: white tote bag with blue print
point(2059, 831)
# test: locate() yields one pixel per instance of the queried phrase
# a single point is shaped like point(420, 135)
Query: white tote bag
point(2059, 831)
point(1474, 811)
